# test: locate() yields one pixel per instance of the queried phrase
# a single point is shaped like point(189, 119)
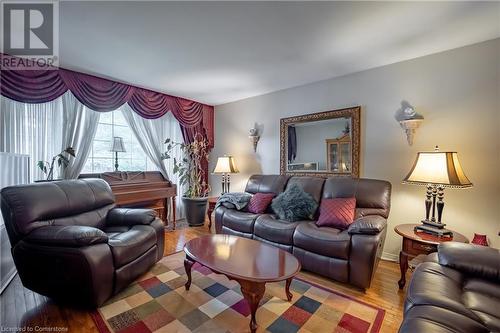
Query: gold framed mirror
point(321, 144)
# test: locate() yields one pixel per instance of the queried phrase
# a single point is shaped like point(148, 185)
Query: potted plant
point(62, 161)
point(191, 176)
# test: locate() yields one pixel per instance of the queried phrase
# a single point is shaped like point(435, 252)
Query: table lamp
point(436, 170)
point(225, 166)
point(118, 147)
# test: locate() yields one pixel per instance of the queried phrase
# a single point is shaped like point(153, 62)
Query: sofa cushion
point(259, 202)
point(483, 298)
point(270, 228)
point(266, 183)
point(337, 213)
point(326, 241)
point(294, 204)
point(373, 197)
point(311, 185)
point(284, 247)
point(434, 319)
point(239, 221)
point(437, 285)
point(129, 245)
point(229, 231)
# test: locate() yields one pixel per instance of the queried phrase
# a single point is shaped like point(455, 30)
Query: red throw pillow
point(259, 202)
point(337, 213)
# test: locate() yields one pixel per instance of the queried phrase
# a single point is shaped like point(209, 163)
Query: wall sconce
point(254, 137)
point(409, 120)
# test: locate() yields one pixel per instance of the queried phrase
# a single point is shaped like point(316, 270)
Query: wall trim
point(390, 256)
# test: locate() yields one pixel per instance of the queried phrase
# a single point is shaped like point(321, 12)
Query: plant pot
point(195, 209)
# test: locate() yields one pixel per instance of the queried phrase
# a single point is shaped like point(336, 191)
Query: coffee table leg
point(287, 289)
point(188, 263)
point(253, 292)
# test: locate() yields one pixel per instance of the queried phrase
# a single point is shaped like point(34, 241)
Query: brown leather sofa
point(70, 243)
point(349, 256)
point(456, 290)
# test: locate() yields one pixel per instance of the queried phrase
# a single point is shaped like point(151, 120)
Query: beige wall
point(458, 93)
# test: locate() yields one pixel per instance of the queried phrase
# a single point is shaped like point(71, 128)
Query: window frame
point(149, 165)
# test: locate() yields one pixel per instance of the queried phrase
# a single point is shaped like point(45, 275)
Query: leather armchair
point(70, 243)
point(457, 290)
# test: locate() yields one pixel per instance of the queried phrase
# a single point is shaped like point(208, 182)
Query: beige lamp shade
point(225, 165)
point(118, 145)
point(438, 168)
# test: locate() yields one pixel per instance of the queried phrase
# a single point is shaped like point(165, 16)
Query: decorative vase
point(195, 209)
point(480, 240)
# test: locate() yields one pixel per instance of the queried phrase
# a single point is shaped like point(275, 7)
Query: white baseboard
point(390, 256)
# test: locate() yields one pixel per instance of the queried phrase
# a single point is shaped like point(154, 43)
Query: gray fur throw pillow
point(294, 204)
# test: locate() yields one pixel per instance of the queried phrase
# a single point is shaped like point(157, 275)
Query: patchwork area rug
point(158, 302)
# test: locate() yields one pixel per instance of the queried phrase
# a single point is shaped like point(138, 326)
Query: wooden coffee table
point(249, 262)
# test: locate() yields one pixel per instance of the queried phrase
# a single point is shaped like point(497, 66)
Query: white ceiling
point(217, 52)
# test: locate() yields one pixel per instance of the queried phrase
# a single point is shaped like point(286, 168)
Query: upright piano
point(145, 189)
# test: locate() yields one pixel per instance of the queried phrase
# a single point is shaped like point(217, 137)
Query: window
point(102, 159)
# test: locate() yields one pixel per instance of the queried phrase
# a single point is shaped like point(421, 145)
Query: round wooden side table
point(417, 243)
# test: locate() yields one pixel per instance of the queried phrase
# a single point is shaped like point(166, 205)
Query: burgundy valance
point(99, 94)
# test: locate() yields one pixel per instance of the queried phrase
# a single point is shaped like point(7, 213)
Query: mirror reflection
point(320, 146)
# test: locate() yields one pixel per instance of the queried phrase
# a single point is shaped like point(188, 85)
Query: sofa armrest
point(219, 215)
point(364, 256)
point(476, 260)
point(368, 225)
point(66, 236)
point(130, 216)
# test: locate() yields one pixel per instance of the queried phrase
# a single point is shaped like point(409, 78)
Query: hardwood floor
point(21, 307)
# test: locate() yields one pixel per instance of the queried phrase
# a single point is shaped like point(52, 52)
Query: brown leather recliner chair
point(457, 290)
point(70, 243)
point(349, 255)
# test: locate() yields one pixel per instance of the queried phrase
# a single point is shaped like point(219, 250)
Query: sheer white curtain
point(151, 134)
point(31, 129)
point(80, 126)
point(44, 130)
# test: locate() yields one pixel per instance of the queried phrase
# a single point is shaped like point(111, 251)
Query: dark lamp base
point(437, 225)
point(429, 229)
